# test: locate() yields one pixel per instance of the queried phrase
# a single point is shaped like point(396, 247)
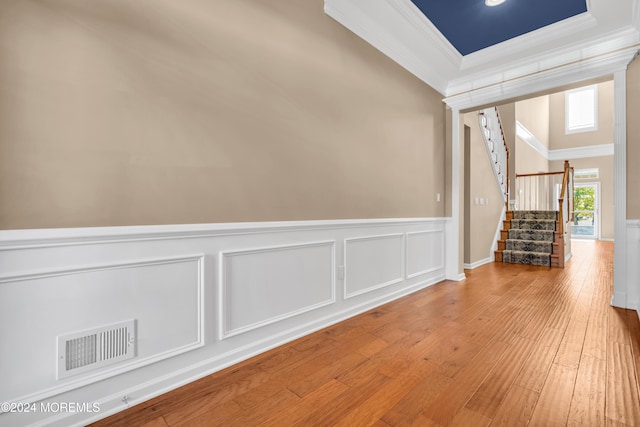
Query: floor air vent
point(83, 351)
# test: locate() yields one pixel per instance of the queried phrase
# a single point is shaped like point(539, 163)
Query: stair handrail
point(566, 188)
point(566, 213)
point(522, 175)
point(490, 123)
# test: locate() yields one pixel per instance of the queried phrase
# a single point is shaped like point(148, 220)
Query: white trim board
point(581, 61)
point(565, 153)
point(530, 139)
point(477, 264)
point(582, 152)
point(499, 85)
point(48, 237)
point(621, 264)
point(453, 250)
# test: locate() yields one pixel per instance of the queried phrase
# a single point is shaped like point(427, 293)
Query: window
point(581, 107)
point(586, 173)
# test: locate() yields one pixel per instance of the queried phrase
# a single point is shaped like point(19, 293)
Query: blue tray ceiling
point(470, 26)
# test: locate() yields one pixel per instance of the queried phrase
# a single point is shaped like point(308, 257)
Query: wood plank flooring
point(513, 345)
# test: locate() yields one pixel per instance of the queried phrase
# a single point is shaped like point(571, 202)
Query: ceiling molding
point(416, 18)
point(564, 56)
point(581, 152)
point(564, 153)
point(413, 57)
point(532, 40)
point(545, 79)
point(590, 45)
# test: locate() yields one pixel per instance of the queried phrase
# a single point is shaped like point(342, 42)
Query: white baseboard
point(204, 297)
point(479, 263)
point(619, 300)
point(458, 278)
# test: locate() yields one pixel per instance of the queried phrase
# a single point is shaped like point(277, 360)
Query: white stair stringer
point(496, 146)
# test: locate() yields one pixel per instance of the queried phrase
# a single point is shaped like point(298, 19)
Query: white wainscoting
point(163, 295)
point(424, 252)
point(262, 286)
point(372, 262)
point(203, 297)
point(631, 299)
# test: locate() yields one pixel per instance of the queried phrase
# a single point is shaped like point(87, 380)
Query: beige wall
point(529, 160)
point(482, 219)
point(141, 112)
point(534, 115)
point(633, 140)
point(603, 135)
point(605, 167)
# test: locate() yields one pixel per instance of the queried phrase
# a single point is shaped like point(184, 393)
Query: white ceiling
point(398, 29)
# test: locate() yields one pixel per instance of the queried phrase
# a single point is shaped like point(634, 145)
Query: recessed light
point(492, 3)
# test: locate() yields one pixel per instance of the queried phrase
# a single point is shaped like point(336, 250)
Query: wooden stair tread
point(535, 239)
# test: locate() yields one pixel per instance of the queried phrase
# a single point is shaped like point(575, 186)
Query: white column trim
point(620, 189)
point(452, 227)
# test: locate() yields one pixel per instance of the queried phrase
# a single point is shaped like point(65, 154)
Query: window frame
point(591, 128)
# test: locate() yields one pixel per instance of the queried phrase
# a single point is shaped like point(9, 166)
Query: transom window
point(592, 173)
point(581, 107)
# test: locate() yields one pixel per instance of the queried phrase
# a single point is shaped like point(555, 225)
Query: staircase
point(537, 236)
point(531, 237)
point(535, 233)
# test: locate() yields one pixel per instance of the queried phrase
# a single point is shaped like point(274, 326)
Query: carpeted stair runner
point(530, 238)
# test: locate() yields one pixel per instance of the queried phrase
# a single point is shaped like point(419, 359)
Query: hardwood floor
point(512, 345)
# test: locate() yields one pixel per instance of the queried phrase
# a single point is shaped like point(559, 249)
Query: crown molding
point(587, 51)
point(584, 152)
point(531, 40)
point(419, 21)
point(581, 152)
point(544, 79)
point(413, 56)
point(398, 29)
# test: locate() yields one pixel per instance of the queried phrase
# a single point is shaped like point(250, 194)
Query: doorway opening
point(586, 222)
